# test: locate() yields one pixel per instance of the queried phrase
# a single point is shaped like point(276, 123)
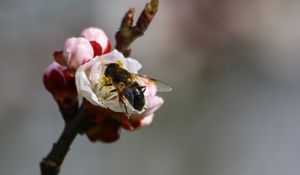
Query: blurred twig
point(50, 165)
point(128, 33)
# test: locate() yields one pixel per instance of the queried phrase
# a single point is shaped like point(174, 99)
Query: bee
point(129, 90)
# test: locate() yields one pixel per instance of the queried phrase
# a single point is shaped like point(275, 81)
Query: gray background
point(234, 66)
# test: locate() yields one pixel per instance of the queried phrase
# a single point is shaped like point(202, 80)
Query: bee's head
point(110, 69)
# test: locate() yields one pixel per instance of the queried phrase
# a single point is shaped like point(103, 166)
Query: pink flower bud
point(61, 85)
point(98, 36)
point(77, 51)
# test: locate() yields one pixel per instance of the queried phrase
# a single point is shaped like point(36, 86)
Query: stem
point(51, 164)
point(129, 33)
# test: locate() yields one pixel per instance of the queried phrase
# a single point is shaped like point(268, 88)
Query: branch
point(50, 165)
point(129, 33)
point(74, 118)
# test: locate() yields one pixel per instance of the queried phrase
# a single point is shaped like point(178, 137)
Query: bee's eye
point(109, 69)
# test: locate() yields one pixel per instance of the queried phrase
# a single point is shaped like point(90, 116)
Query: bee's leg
point(114, 90)
point(110, 98)
point(106, 95)
point(143, 88)
point(104, 86)
point(123, 105)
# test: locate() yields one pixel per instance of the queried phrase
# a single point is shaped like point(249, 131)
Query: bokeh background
point(234, 66)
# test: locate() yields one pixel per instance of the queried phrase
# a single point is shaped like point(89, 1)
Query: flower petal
point(54, 77)
point(84, 87)
point(59, 58)
point(97, 48)
point(133, 65)
point(108, 47)
point(147, 120)
point(98, 35)
point(153, 103)
point(113, 57)
point(77, 51)
point(150, 88)
point(60, 84)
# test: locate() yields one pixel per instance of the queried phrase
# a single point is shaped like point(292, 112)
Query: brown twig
point(50, 165)
point(128, 33)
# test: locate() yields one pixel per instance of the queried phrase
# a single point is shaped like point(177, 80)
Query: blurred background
point(234, 66)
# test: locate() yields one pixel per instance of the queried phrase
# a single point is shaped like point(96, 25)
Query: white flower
point(90, 80)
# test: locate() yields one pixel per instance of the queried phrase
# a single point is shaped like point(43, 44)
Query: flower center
point(103, 89)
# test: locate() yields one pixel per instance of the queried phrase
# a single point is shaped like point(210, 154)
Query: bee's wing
point(125, 106)
point(161, 86)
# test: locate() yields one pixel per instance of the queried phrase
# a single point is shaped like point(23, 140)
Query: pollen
point(103, 61)
point(104, 80)
point(103, 88)
point(119, 62)
point(101, 96)
point(105, 92)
